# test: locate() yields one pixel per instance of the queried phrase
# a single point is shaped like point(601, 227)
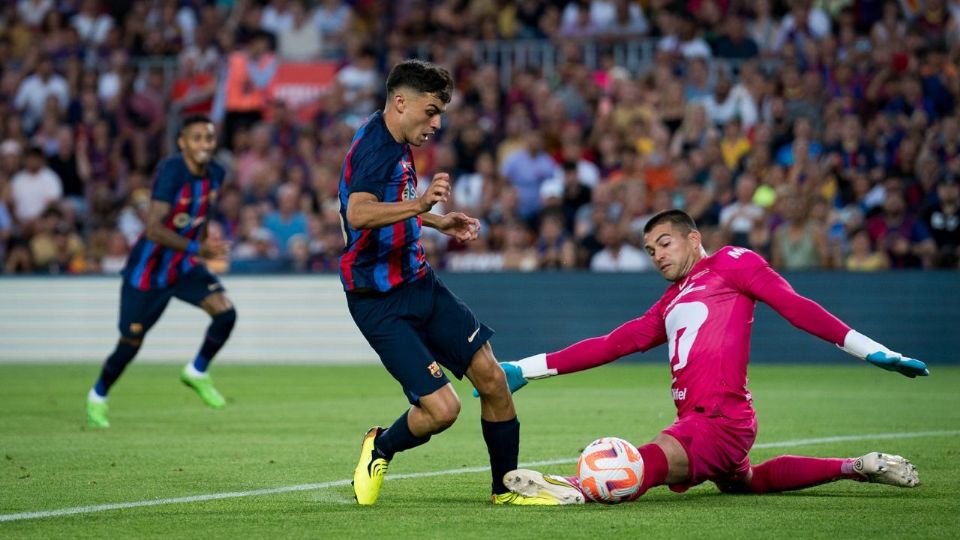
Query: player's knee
point(443, 415)
point(493, 383)
point(131, 341)
point(224, 322)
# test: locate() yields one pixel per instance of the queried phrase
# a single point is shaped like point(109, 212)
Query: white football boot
point(534, 484)
point(887, 469)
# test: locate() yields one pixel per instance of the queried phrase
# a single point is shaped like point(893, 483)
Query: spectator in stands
point(333, 19)
point(287, 221)
point(34, 188)
point(905, 239)
point(245, 88)
point(555, 249)
point(193, 89)
point(301, 41)
point(32, 94)
point(863, 256)
point(74, 173)
point(943, 221)
point(735, 42)
point(617, 255)
point(361, 83)
point(92, 23)
point(527, 169)
point(738, 218)
point(798, 242)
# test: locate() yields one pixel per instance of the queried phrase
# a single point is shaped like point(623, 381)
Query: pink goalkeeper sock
point(785, 473)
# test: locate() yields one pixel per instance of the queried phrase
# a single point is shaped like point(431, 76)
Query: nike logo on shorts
point(473, 335)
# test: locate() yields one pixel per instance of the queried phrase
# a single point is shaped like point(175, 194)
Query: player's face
point(673, 252)
point(197, 142)
point(421, 116)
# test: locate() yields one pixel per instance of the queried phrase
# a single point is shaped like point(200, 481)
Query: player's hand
point(438, 191)
point(460, 226)
point(214, 248)
point(910, 367)
point(515, 378)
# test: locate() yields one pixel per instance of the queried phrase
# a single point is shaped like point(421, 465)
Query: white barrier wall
point(280, 319)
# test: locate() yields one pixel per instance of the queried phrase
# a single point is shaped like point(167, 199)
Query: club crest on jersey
point(181, 220)
point(435, 370)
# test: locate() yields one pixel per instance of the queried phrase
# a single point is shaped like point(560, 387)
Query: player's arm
point(640, 334)
point(766, 285)
point(157, 232)
point(456, 224)
point(365, 211)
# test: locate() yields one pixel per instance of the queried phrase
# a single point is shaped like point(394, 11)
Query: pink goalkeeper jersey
point(705, 319)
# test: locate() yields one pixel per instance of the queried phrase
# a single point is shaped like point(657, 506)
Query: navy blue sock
point(114, 366)
point(503, 444)
point(397, 438)
point(217, 334)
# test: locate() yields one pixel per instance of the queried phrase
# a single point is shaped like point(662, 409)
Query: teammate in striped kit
point(705, 316)
point(416, 325)
point(165, 263)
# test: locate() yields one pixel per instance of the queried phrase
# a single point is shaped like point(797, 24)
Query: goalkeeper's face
point(674, 251)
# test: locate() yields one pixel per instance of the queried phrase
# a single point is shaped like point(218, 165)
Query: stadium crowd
point(823, 134)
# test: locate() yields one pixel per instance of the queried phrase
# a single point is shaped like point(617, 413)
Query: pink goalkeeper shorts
point(716, 446)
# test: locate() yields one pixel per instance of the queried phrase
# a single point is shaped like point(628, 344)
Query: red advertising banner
point(301, 85)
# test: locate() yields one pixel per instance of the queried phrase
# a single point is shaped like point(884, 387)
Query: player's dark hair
point(193, 119)
point(423, 77)
point(677, 218)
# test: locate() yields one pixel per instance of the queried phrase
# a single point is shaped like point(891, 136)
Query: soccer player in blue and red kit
point(419, 329)
point(166, 263)
point(705, 316)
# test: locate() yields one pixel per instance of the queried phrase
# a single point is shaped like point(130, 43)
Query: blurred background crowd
point(823, 134)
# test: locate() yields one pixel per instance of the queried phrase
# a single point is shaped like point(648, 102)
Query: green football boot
point(97, 414)
point(203, 384)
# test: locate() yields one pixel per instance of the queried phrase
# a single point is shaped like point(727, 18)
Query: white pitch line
point(466, 470)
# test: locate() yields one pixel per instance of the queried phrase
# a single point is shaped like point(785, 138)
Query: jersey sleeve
point(640, 334)
point(371, 168)
point(752, 276)
point(165, 186)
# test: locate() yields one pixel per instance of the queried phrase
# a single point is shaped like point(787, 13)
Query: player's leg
point(139, 311)
point(788, 473)
point(200, 288)
point(462, 344)
point(385, 322)
point(498, 419)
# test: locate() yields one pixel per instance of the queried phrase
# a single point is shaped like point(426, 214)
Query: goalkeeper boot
point(368, 476)
point(539, 486)
point(97, 413)
point(889, 469)
point(203, 384)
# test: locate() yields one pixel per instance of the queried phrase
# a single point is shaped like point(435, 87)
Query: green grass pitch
point(301, 426)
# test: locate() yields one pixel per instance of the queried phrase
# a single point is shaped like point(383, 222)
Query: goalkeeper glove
point(909, 367)
point(515, 378)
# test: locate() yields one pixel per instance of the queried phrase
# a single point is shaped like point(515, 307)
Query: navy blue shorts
point(415, 329)
point(140, 310)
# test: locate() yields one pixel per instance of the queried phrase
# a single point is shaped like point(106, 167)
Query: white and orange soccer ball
point(610, 470)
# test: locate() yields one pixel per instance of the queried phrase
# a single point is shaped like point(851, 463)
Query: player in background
point(705, 316)
point(165, 263)
point(415, 324)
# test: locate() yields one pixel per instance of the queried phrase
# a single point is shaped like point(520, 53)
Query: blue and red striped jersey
point(152, 266)
point(380, 259)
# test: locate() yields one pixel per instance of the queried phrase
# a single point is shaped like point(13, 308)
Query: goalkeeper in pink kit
point(705, 316)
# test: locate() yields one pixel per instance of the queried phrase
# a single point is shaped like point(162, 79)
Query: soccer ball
point(610, 470)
